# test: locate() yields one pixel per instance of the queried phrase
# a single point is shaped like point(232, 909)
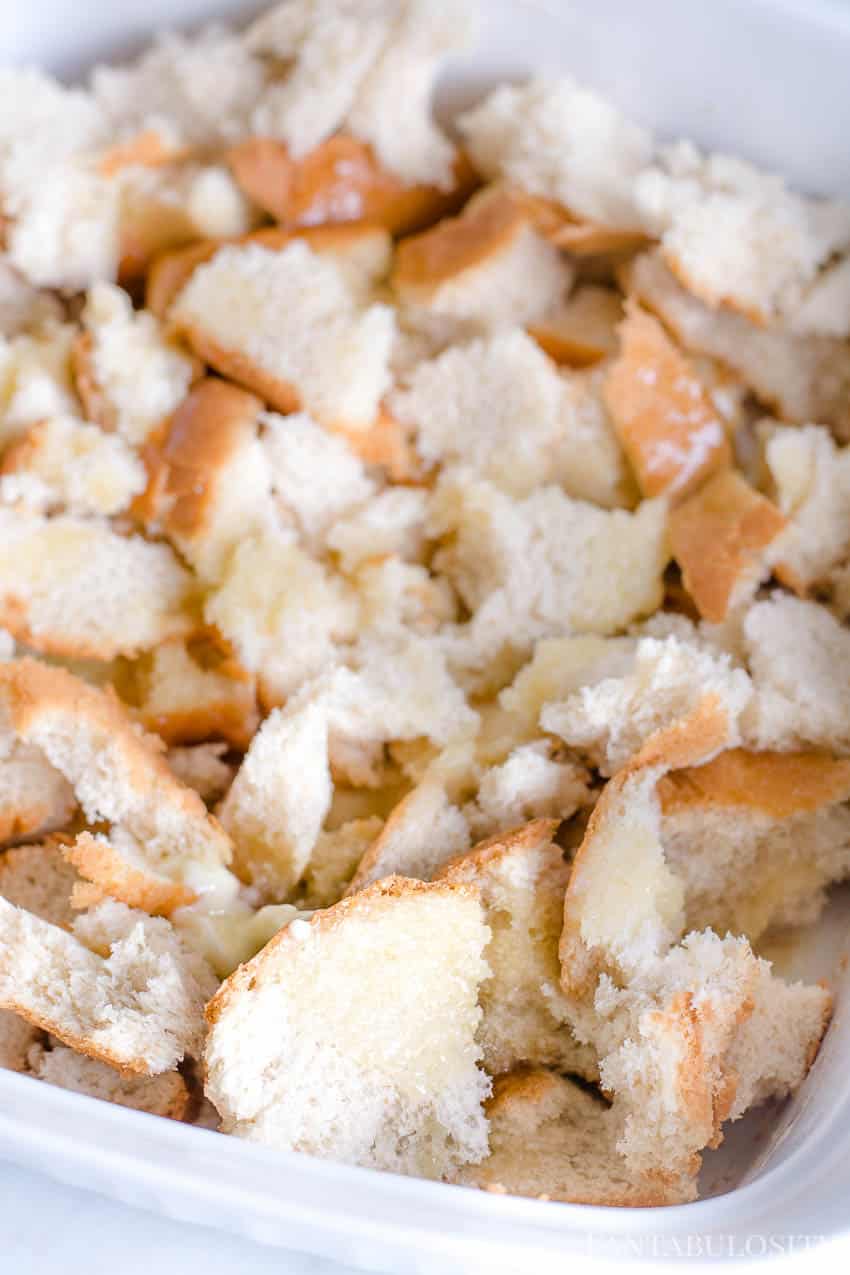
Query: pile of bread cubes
point(424, 572)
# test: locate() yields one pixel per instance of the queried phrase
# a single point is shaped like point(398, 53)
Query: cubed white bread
point(558, 668)
point(342, 181)
point(583, 329)
point(756, 838)
point(75, 587)
point(609, 720)
point(23, 307)
point(276, 805)
point(35, 378)
point(35, 877)
point(203, 767)
point(590, 463)
point(521, 876)
point(285, 613)
point(725, 537)
point(552, 1139)
point(656, 1008)
point(362, 68)
point(801, 379)
point(166, 207)
point(191, 91)
point(392, 523)
point(383, 1078)
point(555, 139)
point(163, 1095)
point(162, 838)
point(186, 694)
point(531, 783)
point(34, 797)
point(493, 405)
point(663, 415)
point(316, 475)
point(398, 597)
point(286, 325)
point(489, 266)
point(710, 1015)
point(335, 859)
point(423, 831)
point(548, 565)
point(392, 109)
point(139, 1006)
point(64, 463)
point(210, 484)
point(737, 237)
point(129, 375)
point(811, 478)
point(798, 656)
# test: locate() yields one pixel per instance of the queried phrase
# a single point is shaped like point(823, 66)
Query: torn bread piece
point(277, 803)
point(489, 265)
point(811, 477)
point(209, 482)
point(725, 538)
point(297, 450)
point(589, 461)
point(422, 833)
point(521, 876)
point(335, 859)
point(162, 1095)
point(138, 1006)
point(64, 463)
point(663, 415)
point(23, 307)
point(285, 325)
point(552, 1139)
point(555, 139)
point(162, 841)
point(35, 378)
point(737, 237)
point(533, 782)
point(282, 1071)
point(546, 565)
point(583, 329)
point(655, 1006)
point(75, 587)
point(37, 878)
point(285, 613)
point(801, 379)
point(203, 767)
point(186, 693)
point(610, 718)
point(128, 375)
point(798, 655)
point(756, 838)
point(493, 405)
point(392, 525)
point(35, 798)
point(341, 181)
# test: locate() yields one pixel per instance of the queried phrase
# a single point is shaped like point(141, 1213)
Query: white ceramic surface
point(769, 79)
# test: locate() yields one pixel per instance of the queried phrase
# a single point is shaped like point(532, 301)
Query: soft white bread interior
point(162, 1095)
point(552, 1139)
point(384, 1078)
point(138, 1005)
point(521, 876)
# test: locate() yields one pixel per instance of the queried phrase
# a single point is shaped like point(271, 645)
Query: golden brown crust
point(577, 235)
point(254, 972)
point(663, 415)
point(500, 846)
point(487, 228)
point(208, 428)
point(718, 535)
point(584, 331)
point(341, 181)
point(96, 405)
point(776, 784)
point(145, 149)
point(96, 859)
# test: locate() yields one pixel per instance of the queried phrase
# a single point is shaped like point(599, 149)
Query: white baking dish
point(768, 79)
